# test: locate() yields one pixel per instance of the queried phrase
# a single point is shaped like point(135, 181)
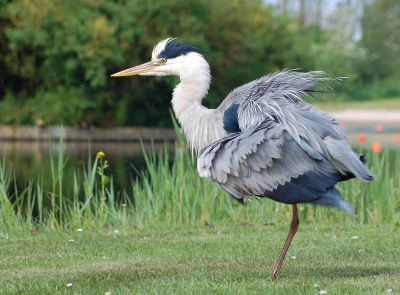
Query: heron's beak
point(141, 69)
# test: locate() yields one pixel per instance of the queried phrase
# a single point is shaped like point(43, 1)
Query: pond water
point(31, 160)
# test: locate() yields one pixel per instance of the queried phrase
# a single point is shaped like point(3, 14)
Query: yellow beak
point(141, 69)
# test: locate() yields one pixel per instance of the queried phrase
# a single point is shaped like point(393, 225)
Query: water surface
point(31, 160)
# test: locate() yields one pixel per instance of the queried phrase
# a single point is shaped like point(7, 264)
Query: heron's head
point(168, 58)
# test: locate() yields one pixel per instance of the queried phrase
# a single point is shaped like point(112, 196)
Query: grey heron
point(263, 140)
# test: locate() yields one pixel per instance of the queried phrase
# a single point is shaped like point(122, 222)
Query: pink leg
point(294, 225)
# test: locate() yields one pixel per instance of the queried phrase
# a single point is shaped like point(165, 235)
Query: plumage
point(231, 122)
point(263, 140)
point(170, 49)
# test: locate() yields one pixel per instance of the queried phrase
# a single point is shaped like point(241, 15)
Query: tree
point(59, 55)
point(381, 35)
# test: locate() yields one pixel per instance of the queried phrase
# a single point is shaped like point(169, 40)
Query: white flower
point(116, 231)
point(323, 292)
point(293, 257)
point(104, 257)
point(355, 237)
point(360, 250)
point(389, 290)
point(79, 229)
point(70, 284)
point(276, 209)
point(71, 240)
point(123, 205)
point(316, 286)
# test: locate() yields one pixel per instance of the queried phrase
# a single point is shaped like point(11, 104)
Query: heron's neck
point(201, 125)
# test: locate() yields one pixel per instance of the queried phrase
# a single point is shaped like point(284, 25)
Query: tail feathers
point(331, 197)
point(364, 171)
point(349, 175)
point(346, 161)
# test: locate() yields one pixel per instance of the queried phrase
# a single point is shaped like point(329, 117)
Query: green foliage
point(59, 55)
point(381, 34)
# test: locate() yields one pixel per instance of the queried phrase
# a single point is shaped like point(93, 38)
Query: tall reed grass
point(177, 195)
point(170, 193)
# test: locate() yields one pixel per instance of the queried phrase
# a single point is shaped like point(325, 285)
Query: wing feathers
point(278, 97)
point(267, 161)
point(286, 149)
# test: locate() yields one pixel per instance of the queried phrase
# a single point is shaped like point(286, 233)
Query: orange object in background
point(396, 138)
point(361, 138)
point(379, 128)
point(376, 147)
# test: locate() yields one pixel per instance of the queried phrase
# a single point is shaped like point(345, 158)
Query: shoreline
point(351, 119)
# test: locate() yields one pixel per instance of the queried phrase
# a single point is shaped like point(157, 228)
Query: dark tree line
point(56, 56)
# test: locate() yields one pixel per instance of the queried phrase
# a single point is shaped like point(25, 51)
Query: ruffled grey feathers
point(286, 149)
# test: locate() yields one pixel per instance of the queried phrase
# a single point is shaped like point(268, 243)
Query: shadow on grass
point(342, 272)
point(226, 271)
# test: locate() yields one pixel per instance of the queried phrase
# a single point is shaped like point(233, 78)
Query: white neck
point(201, 126)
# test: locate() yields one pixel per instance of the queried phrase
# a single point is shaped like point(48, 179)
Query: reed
point(169, 193)
point(174, 194)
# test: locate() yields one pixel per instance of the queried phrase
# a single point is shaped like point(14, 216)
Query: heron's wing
point(266, 160)
point(324, 134)
point(271, 95)
point(279, 97)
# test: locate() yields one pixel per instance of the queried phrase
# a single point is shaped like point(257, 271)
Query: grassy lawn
point(381, 104)
point(174, 254)
point(207, 260)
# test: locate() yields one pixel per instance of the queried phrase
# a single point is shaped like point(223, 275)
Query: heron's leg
point(294, 225)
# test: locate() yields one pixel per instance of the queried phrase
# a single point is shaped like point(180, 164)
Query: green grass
point(194, 199)
point(381, 104)
point(181, 234)
point(171, 193)
point(234, 259)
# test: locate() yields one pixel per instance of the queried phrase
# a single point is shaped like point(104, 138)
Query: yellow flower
point(371, 230)
point(100, 154)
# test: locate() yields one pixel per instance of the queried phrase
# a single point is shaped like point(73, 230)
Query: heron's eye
point(163, 60)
